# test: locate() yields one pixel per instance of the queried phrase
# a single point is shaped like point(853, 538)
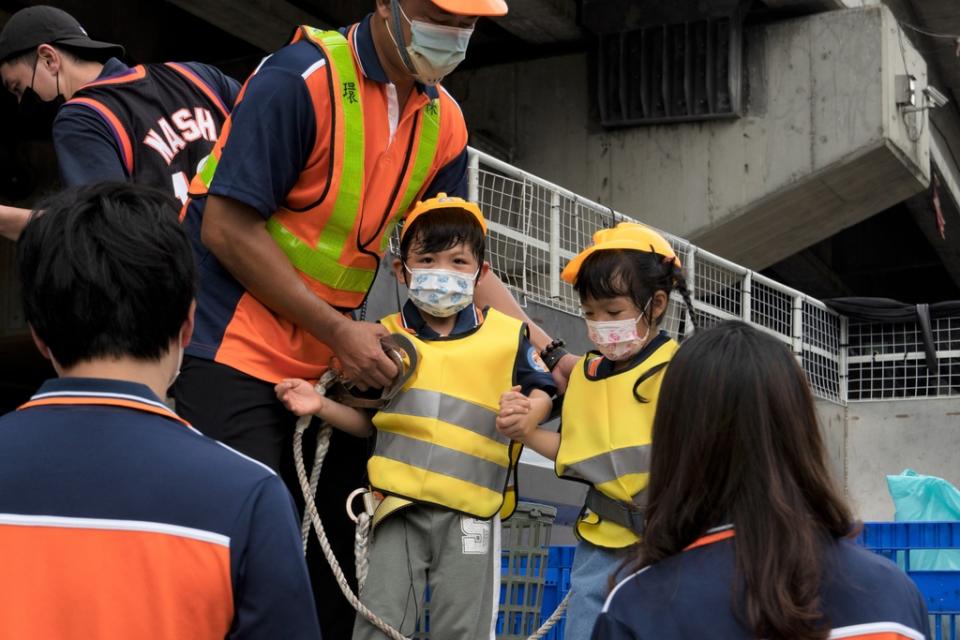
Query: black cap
point(33, 26)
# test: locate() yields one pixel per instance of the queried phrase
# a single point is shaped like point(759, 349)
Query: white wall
point(884, 438)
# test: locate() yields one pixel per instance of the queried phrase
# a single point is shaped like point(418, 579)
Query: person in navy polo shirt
point(117, 518)
point(153, 124)
point(747, 536)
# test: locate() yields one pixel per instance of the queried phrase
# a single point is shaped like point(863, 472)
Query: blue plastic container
point(899, 541)
point(555, 587)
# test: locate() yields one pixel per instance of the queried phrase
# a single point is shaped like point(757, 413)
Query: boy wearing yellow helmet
point(447, 472)
point(624, 280)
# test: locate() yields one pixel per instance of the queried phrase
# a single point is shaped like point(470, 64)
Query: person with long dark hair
point(746, 534)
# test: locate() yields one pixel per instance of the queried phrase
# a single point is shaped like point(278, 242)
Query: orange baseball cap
point(443, 201)
point(473, 7)
point(626, 235)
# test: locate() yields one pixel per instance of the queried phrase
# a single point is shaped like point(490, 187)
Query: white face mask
point(617, 339)
point(434, 50)
point(176, 374)
point(441, 292)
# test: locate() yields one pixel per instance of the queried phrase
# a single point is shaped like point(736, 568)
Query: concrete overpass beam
point(266, 24)
point(542, 21)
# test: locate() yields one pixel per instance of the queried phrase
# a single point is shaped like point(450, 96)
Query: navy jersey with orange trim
point(119, 521)
point(689, 595)
point(150, 124)
point(277, 136)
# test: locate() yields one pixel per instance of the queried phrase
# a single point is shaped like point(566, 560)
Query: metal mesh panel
point(888, 361)
point(719, 286)
point(502, 200)
point(771, 308)
point(820, 350)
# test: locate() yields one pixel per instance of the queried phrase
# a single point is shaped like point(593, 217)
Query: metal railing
point(888, 361)
point(536, 227)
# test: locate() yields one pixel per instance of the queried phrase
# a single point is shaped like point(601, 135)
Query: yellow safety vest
point(437, 440)
point(605, 439)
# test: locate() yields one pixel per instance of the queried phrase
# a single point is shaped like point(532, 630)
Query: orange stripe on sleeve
point(123, 139)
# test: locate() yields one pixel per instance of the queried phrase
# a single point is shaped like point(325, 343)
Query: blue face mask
point(434, 50)
point(441, 292)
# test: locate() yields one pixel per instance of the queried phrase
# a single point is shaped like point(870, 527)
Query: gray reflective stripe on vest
point(442, 460)
point(422, 403)
point(631, 516)
point(611, 465)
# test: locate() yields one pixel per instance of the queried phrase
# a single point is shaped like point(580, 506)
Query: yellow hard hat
point(626, 235)
point(473, 7)
point(443, 201)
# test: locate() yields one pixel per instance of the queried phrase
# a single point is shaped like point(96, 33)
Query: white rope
point(361, 548)
point(327, 379)
point(552, 620)
point(323, 443)
point(322, 446)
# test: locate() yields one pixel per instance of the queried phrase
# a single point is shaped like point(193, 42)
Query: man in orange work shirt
point(331, 141)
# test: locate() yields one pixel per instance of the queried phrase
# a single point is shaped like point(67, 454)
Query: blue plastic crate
point(898, 541)
point(520, 595)
point(555, 587)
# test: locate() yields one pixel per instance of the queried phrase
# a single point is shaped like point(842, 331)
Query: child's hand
point(299, 397)
point(512, 421)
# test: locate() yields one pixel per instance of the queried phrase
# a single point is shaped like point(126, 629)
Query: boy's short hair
point(106, 271)
point(442, 229)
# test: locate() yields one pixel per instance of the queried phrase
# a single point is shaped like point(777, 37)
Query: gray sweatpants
point(457, 556)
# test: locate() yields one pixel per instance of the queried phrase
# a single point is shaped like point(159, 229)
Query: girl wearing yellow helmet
point(624, 280)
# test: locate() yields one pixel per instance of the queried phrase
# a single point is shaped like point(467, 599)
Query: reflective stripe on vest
point(610, 465)
point(448, 462)
point(464, 414)
point(437, 441)
point(323, 261)
point(606, 437)
point(427, 149)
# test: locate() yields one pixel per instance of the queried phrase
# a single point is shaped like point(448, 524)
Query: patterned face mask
point(441, 292)
point(617, 339)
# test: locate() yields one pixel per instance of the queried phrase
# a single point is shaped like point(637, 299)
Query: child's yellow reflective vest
point(605, 442)
point(437, 440)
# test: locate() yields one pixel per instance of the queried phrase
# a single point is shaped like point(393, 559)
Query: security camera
point(935, 98)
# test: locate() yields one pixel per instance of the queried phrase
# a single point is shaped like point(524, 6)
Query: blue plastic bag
point(920, 498)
